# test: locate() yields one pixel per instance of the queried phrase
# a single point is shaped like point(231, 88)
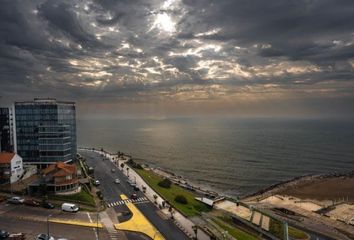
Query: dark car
point(136, 188)
point(134, 196)
point(48, 205)
point(31, 202)
point(4, 234)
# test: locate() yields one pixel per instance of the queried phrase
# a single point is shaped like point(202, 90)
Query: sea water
point(233, 156)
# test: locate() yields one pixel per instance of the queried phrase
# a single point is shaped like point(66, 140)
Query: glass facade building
point(6, 134)
point(45, 131)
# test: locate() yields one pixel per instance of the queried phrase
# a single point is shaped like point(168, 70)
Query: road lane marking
point(94, 230)
point(121, 202)
point(138, 223)
point(78, 223)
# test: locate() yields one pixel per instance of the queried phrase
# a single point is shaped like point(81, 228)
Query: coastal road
point(111, 192)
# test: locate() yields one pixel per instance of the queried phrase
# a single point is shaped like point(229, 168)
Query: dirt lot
point(323, 189)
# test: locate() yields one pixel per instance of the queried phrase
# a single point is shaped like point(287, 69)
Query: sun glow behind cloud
point(164, 22)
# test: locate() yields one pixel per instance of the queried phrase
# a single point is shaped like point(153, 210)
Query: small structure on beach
point(208, 201)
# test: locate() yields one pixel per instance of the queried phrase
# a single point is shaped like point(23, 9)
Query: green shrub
point(181, 199)
point(138, 166)
point(166, 183)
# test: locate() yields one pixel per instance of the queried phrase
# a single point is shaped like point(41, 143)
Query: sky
point(152, 58)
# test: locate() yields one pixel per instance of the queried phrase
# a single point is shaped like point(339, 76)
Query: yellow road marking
point(77, 223)
point(138, 223)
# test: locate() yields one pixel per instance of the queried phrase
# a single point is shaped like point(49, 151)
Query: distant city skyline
point(181, 58)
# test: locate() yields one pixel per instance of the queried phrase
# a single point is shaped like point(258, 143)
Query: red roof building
point(61, 177)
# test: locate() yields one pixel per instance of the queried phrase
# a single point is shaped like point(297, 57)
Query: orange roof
point(6, 157)
point(61, 169)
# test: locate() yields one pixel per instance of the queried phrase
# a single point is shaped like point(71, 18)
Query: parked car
point(131, 183)
point(96, 182)
point(113, 170)
point(44, 236)
point(16, 200)
point(134, 196)
point(4, 234)
point(69, 207)
point(117, 181)
point(31, 202)
point(48, 205)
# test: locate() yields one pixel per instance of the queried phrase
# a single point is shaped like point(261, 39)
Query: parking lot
point(33, 221)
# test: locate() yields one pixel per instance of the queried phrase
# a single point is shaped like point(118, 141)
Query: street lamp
point(97, 226)
point(97, 217)
point(195, 230)
point(48, 224)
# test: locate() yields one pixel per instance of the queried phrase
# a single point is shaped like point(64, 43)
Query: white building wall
point(16, 168)
point(14, 136)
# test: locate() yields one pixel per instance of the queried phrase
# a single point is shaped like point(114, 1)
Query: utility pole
point(48, 224)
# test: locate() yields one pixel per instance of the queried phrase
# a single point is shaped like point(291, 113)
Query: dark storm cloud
point(182, 49)
point(64, 19)
point(299, 29)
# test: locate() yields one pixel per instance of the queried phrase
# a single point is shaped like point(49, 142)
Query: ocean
point(235, 157)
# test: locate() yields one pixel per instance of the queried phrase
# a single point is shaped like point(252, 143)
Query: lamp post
point(97, 230)
point(195, 230)
point(48, 224)
point(97, 218)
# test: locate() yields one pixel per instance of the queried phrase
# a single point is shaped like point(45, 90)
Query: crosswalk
point(113, 236)
point(122, 202)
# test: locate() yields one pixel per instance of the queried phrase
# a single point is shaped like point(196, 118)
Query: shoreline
point(295, 183)
point(258, 194)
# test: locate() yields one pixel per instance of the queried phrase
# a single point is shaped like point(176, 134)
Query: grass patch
point(82, 197)
point(237, 233)
point(276, 228)
point(297, 234)
point(193, 207)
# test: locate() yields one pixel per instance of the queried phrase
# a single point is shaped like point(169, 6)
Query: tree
point(165, 183)
point(122, 165)
point(181, 199)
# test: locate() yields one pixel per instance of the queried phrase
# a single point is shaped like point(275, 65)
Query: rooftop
point(45, 101)
point(60, 169)
point(6, 157)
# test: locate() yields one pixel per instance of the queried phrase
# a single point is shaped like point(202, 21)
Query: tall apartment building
point(6, 130)
point(45, 131)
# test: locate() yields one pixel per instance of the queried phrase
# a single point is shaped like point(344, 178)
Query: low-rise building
point(61, 177)
point(11, 168)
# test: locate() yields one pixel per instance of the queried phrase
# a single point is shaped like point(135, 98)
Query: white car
point(97, 182)
point(117, 181)
point(16, 200)
point(69, 207)
point(43, 236)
